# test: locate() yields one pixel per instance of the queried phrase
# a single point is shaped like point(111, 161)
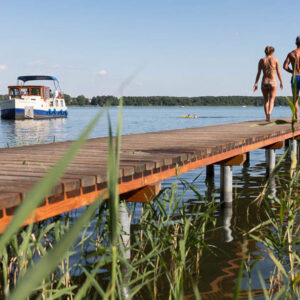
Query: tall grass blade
point(277, 263)
point(113, 201)
point(263, 286)
point(238, 282)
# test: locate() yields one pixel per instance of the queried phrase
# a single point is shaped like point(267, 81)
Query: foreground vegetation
point(86, 257)
point(168, 242)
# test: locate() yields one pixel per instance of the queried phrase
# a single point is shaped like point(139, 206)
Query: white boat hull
point(20, 109)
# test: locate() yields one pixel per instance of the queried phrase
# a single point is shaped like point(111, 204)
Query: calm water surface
point(218, 271)
point(135, 120)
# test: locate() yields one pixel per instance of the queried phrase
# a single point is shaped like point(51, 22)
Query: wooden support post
point(226, 176)
point(286, 143)
point(210, 172)
point(247, 158)
point(210, 182)
point(145, 194)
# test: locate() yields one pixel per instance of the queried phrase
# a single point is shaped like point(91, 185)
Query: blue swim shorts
point(297, 82)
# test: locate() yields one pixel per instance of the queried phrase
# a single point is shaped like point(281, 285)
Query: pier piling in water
point(226, 176)
point(125, 229)
point(226, 184)
point(210, 172)
point(247, 161)
point(271, 159)
point(294, 146)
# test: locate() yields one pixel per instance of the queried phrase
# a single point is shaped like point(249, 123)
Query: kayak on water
point(190, 116)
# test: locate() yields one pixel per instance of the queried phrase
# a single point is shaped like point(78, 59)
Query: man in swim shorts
point(293, 59)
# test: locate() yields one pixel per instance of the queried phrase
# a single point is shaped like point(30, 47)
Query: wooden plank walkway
point(145, 159)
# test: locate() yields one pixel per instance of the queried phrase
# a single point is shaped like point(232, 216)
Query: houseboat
point(34, 101)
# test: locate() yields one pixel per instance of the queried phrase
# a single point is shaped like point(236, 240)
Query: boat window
point(14, 92)
point(61, 103)
point(35, 91)
point(56, 102)
point(47, 93)
point(24, 91)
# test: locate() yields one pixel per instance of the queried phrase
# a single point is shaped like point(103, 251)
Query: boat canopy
point(37, 77)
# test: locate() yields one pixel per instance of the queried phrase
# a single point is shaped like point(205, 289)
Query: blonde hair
point(269, 50)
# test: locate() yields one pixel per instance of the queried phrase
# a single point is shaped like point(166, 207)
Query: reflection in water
point(218, 282)
point(271, 162)
point(227, 215)
point(24, 132)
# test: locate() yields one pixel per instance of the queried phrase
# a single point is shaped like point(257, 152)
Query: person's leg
point(296, 96)
point(272, 100)
point(265, 92)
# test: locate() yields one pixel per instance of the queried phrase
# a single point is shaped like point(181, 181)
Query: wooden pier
point(145, 159)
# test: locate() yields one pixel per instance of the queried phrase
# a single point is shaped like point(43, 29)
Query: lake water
point(135, 120)
point(218, 271)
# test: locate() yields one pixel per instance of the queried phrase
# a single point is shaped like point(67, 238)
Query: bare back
point(293, 59)
point(268, 65)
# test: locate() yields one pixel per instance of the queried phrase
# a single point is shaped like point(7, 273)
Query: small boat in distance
point(34, 101)
point(189, 116)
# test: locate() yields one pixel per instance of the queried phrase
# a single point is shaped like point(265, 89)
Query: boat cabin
point(20, 91)
point(28, 101)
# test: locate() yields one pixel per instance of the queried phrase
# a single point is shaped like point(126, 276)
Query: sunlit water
point(218, 272)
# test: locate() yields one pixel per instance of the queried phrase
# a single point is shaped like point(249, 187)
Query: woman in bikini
point(269, 65)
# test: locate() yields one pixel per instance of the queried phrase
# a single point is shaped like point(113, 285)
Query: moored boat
point(34, 101)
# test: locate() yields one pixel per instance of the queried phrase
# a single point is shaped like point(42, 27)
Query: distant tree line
point(81, 100)
point(3, 97)
point(173, 101)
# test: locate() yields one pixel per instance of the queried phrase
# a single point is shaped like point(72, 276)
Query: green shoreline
point(159, 101)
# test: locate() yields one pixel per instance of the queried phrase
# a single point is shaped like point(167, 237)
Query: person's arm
point(286, 64)
point(257, 75)
point(278, 73)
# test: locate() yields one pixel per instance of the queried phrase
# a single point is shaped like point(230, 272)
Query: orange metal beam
point(145, 194)
point(277, 145)
point(234, 161)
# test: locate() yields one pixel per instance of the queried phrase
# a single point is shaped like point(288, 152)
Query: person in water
point(269, 65)
point(293, 58)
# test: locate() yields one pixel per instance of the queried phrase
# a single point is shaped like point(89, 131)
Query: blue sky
point(180, 48)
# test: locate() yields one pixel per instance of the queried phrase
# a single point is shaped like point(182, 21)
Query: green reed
point(280, 232)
